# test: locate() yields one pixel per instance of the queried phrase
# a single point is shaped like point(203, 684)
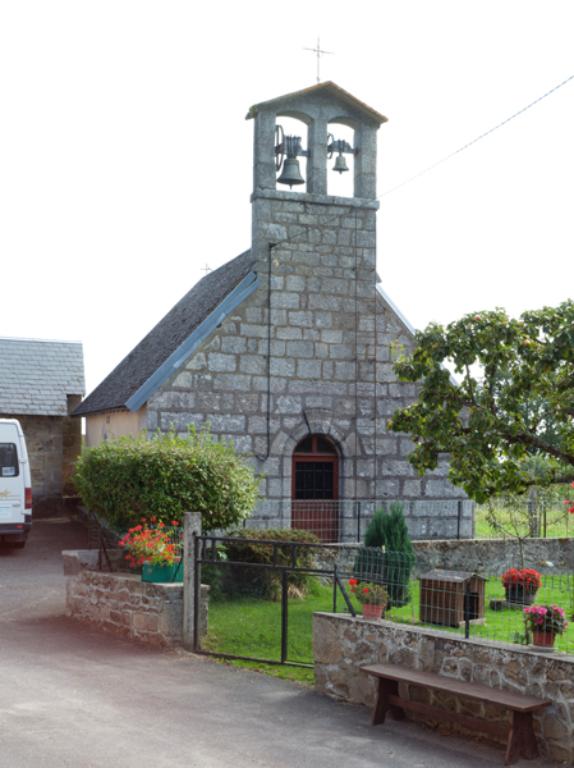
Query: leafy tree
point(165, 477)
point(513, 397)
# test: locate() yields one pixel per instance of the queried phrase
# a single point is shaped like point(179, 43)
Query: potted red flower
point(570, 501)
point(521, 585)
point(155, 547)
point(545, 622)
point(373, 597)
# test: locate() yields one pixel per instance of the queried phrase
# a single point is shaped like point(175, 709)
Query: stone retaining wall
point(125, 605)
point(343, 644)
point(493, 556)
point(489, 557)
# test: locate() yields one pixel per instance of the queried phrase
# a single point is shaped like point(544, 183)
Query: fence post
point(191, 529)
point(284, 615)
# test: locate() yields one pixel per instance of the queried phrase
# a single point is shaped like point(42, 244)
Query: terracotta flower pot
point(543, 639)
point(372, 611)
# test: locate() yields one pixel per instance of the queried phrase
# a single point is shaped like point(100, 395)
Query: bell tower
point(316, 262)
point(324, 111)
point(317, 107)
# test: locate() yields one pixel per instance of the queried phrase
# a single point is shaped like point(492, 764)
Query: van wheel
point(17, 544)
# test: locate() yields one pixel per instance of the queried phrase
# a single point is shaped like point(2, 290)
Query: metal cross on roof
point(206, 269)
point(319, 52)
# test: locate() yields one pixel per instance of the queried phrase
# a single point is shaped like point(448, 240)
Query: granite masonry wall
point(493, 556)
point(318, 339)
point(121, 603)
point(343, 644)
point(53, 444)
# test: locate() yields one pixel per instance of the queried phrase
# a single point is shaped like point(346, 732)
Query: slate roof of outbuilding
point(36, 376)
point(153, 350)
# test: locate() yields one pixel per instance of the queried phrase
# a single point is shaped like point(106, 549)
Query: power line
point(478, 138)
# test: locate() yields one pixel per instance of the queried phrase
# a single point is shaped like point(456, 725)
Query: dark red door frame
point(320, 518)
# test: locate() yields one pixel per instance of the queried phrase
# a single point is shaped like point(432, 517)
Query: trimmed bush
point(388, 556)
point(266, 582)
point(164, 477)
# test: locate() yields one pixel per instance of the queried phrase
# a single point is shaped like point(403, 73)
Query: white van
point(15, 485)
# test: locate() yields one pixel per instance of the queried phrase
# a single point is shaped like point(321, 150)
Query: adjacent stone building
point(288, 349)
point(41, 382)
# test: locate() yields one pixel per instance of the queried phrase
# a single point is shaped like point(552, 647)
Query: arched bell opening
point(340, 159)
point(291, 152)
point(315, 487)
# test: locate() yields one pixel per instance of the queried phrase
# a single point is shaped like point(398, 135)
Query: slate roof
point(163, 340)
point(36, 376)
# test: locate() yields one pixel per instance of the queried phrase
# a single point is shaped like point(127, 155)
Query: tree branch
point(523, 438)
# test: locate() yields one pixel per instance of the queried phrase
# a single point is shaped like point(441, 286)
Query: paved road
point(70, 696)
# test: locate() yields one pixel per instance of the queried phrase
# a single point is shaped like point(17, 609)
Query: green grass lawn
point(252, 626)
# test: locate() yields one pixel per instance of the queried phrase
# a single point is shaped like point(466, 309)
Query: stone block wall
point(53, 444)
point(71, 445)
point(123, 604)
point(343, 644)
point(319, 344)
point(493, 556)
point(44, 441)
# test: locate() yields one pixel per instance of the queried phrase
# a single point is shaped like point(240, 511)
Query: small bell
point(340, 164)
point(291, 174)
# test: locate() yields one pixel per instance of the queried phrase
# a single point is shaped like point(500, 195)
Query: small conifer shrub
point(387, 556)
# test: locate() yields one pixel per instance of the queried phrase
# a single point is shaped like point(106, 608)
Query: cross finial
point(319, 52)
point(206, 269)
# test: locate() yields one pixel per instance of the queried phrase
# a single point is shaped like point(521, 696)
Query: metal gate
point(257, 605)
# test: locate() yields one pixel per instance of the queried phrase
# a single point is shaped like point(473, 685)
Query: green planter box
point(162, 573)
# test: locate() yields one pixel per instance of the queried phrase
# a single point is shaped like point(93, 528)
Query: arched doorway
point(315, 487)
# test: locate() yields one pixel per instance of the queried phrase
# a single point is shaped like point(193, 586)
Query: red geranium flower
point(152, 543)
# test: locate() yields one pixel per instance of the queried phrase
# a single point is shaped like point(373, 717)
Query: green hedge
point(264, 582)
point(166, 476)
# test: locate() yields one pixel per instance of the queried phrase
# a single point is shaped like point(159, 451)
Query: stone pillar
point(317, 162)
point(71, 445)
point(366, 162)
point(192, 529)
point(264, 152)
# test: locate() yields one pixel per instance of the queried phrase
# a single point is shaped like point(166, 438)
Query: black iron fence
point(264, 593)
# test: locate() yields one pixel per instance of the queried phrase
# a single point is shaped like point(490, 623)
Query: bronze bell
point(340, 164)
point(291, 173)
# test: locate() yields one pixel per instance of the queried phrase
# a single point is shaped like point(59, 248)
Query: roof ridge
point(156, 347)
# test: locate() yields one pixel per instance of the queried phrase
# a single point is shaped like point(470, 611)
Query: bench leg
point(521, 738)
point(386, 688)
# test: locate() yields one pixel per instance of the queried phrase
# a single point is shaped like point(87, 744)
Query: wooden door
point(315, 484)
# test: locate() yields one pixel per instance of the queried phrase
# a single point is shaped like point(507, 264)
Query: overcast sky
point(125, 158)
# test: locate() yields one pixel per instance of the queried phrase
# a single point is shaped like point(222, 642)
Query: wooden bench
point(519, 732)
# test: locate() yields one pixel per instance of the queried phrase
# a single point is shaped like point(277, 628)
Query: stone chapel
point(288, 349)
